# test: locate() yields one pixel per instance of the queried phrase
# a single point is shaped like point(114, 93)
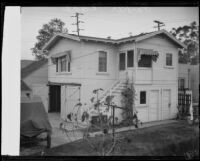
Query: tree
point(189, 35)
point(45, 34)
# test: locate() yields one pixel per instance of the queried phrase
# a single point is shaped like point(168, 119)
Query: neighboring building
point(78, 65)
point(25, 63)
point(189, 79)
point(25, 90)
point(35, 76)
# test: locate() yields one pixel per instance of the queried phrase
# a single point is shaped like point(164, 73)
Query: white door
point(72, 99)
point(154, 105)
point(166, 104)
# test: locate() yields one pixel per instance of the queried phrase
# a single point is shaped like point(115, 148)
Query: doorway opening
point(54, 98)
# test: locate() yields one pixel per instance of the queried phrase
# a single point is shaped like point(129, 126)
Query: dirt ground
point(174, 139)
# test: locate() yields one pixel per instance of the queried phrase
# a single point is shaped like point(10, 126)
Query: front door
point(54, 98)
point(166, 104)
point(122, 65)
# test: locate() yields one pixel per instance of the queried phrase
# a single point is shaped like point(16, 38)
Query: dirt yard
point(174, 139)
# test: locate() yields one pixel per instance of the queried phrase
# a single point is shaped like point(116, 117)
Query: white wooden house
point(78, 65)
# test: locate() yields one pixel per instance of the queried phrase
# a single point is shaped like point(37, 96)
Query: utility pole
point(77, 23)
point(159, 24)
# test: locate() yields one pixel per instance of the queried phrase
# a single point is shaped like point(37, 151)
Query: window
point(102, 61)
point(62, 65)
point(122, 61)
point(145, 61)
point(168, 59)
point(130, 57)
point(181, 83)
point(142, 97)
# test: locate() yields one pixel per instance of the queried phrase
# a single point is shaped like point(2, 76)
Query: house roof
point(24, 86)
point(32, 67)
point(135, 38)
point(25, 63)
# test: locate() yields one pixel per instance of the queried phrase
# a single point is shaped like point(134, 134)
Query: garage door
point(154, 105)
point(166, 104)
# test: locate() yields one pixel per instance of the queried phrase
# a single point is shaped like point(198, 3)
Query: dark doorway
point(54, 98)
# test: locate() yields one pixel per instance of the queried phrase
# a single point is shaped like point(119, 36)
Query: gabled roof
point(24, 86)
point(135, 38)
point(32, 67)
point(25, 63)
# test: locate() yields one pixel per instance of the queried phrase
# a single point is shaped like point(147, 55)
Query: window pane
point(56, 64)
point(63, 64)
point(68, 69)
point(102, 61)
point(169, 59)
point(143, 97)
point(130, 58)
point(122, 61)
point(145, 61)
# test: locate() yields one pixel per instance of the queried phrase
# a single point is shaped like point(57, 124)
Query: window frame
point(126, 57)
point(145, 98)
point(98, 71)
point(171, 60)
point(59, 65)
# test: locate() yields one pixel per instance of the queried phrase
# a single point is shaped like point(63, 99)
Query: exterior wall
point(84, 66)
point(159, 77)
point(84, 70)
point(37, 81)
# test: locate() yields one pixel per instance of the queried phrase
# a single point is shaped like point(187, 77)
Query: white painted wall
point(183, 72)
point(84, 69)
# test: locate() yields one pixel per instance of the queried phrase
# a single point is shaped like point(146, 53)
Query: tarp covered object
point(34, 119)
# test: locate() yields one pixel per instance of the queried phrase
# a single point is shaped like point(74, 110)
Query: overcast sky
point(116, 22)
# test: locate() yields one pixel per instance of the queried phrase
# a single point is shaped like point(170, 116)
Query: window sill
point(102, 73)
point(144, 68)
point(169, 67)
point(142, 105)
point(64, 73)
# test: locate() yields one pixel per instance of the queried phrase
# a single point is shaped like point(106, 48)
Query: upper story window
point(145, 61)
point(102, 61)
point(130, 58)
point(122, 61)
point(62, 64)
point(168, 59)
point(142, 97)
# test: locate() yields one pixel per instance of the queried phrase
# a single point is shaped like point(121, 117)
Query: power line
point(77, 23)
point(159, 24)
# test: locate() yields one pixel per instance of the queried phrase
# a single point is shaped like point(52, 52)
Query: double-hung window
point(62, 64)
point(102, 61)
point(168, 59)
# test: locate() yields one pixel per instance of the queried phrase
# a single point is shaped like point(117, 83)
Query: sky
point(116, 22)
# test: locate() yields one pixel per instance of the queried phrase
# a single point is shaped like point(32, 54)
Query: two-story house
point(79, 64)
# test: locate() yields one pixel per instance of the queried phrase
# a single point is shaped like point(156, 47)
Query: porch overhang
point(60, 84)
